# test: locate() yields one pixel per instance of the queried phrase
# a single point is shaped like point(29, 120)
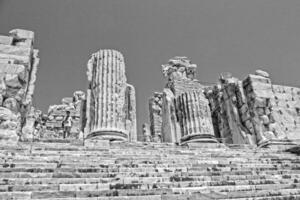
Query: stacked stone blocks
point(18, 68)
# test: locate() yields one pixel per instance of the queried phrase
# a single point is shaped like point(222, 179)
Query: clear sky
point(237, 36)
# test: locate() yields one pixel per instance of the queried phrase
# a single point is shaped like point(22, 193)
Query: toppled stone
point(262, 73)
point(22, 34)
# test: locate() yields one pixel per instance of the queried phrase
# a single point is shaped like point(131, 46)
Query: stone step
point(125, 180)
point(117, 184)
point(108, 155)
point(181, 197)
point(62, 169)
point(76, 147)
point(130, 180)
point(225, 191)
point(55, 168)
point(45, 174)
point(247, 158)
point(7, 166)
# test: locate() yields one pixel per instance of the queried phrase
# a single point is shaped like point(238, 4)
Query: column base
point(110, 135)
point(198, 138)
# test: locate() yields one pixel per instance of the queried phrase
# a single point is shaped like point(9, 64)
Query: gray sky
point(237, 36)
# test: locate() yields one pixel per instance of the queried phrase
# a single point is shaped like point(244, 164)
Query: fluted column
point(194, 117)
point(106, 96)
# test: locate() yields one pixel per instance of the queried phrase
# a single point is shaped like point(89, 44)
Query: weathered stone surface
point(194, 116)
point(130, 110)
point(171, 131)
point(6, 40)
point(110, 106)
point(230, 111)
point(262, 73)
point(14, 50)
point(155, 114)
point(21, 33)
point(9, 126)
point(60, 169)
point(186, 114)
point(32, 127)
point(254, 111)
point(18, 68)
point(57, 114)
point(147, 137)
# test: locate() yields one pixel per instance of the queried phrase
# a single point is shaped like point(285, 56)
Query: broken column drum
point(110, 109)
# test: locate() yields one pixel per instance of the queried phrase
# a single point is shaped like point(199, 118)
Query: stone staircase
point(65, 170)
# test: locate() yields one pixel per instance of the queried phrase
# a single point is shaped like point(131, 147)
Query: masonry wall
point(254, 111)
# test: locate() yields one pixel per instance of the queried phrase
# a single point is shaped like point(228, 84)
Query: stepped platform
point(65, 170)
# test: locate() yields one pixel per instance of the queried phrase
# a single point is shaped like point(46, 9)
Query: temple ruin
point(185, 112)
point(236, 139)
point(254, 111)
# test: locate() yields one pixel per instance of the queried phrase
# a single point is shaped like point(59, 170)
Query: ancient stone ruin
point(110, 111)
point(18, 67)
point(254, 111)
point(155, 114)
point(183, 109)
point(57, 113)
point(237, 139)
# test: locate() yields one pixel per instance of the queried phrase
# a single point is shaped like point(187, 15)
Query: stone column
point(107, 104)
point(155, 114)
point(130, 108)
point(195, 117)
point(186, 114)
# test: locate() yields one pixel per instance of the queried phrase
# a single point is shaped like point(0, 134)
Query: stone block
point(20, 70)
point(15, 50)
point(96, 143)
point(262, 73)
point(6, 40)
point(17, 59)
point(67, 100)
point(22, 34)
